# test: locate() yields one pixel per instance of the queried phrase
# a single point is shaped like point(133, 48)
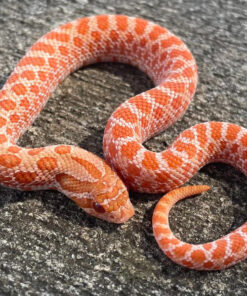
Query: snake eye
point(98, 208)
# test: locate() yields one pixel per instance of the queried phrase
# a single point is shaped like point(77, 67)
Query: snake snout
point(111, 200)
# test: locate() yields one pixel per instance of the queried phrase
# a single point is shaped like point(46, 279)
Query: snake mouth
point(120, 220)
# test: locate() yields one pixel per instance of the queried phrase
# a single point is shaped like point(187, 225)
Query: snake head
point(111, 199)
point(107, 199)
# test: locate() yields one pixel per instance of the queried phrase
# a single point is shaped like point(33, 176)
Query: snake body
point(100, 187)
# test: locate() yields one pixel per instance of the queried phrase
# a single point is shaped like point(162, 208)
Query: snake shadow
point(137, 82)
point(53, 202)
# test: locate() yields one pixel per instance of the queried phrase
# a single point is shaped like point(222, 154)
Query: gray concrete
point(48, 246)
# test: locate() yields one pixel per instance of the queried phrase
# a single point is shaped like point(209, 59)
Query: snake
point(100, 187)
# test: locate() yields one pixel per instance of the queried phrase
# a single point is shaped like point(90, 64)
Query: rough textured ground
point(48, 246)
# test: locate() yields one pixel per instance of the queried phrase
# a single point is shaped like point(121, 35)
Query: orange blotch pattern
point(156, 32)
point(62, 149)
point(207, 246)
point(130, 149)
point(28, 74)
point(176, 52)
point(122, 22)
point(41, 46)
point(149, 161)
point(53, 63)
point(141, 104)
point(180, 251)
point(170, 41)
point(35, 151)
point(237, 242)
point(165, 241)
point(216, 128)
point(173, 161)
point(77, 42)
point(3, 139)
point(2, 122)
point(62, 37)
point(220, 251)
point(63, 50)
point(201, 134)
point(83, 26)
point(69, 183)
point(198, 256)
point(126, 114)
point(9, 160)
point(34, 89)
point(19, 89)
point(159, 96)
point(190, 149)
point(89, 166)
point(178, 87)
point(140, 26)
point(114, 35)
point(96, 36)
point(119, 131)
point(25, 177)
point(177, 102)
point(47, 163)
point(189, 73)
point(34, 61)
point(14, 149)
point(102, 21)
point(7, 105)
point(42, 75)
point(188, 134)
point(14, 118)
point(232, 132)
point(9, 131)
point(158, 112)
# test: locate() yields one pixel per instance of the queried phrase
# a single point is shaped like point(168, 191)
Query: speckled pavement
point(48, 246)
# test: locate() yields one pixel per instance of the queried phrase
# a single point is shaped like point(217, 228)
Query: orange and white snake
point(100, 188)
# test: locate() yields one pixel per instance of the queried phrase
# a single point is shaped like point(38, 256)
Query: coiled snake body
point(87, 179)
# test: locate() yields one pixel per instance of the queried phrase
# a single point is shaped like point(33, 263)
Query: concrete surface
point(48, 246)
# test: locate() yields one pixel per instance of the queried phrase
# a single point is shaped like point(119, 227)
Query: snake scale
point(98, 186)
